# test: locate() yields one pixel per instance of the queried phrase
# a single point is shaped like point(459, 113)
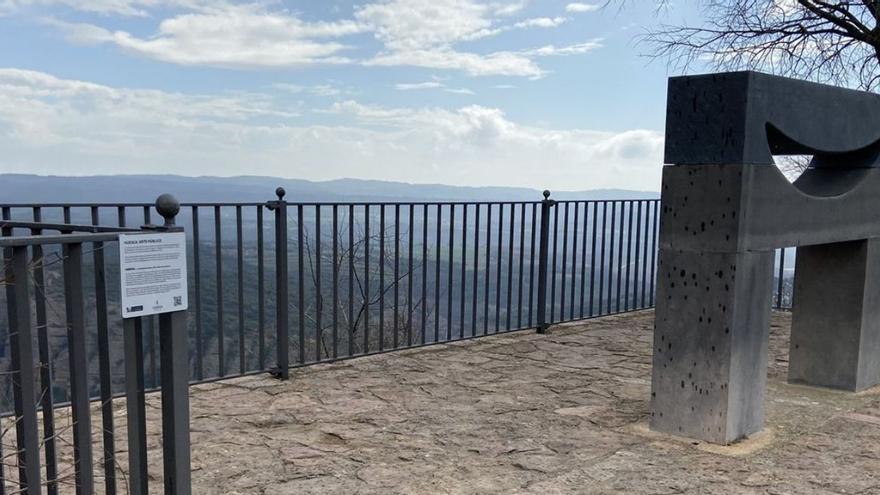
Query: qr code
point(178, 300)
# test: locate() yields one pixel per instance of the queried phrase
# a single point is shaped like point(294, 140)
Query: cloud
point(460, 91)
point(576, 49)
point(493, 64)
point(130, 8)
point(542, 22)
point(423, 85)
point(62, 126)
point(579, 7)
point(414, 33)
point(243, 36)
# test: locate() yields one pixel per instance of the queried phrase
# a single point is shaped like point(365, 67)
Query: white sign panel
point(152, 269)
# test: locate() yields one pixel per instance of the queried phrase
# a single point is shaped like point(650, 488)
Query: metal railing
point(363, 278)
point(67, 449)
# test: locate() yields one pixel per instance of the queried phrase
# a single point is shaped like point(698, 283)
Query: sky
point(535, 93)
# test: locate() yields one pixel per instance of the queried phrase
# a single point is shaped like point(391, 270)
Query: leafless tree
point(828, 41)
point(835, 42)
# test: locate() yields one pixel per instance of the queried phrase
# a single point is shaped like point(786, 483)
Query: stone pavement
point(559, 413)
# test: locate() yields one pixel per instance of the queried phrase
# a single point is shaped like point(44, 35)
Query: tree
point(835, 42)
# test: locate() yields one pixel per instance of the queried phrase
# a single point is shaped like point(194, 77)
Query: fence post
point(546, 204)
point(174, 359)
point(282, 341)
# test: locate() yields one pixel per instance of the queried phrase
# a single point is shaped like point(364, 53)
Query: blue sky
point(537, 93)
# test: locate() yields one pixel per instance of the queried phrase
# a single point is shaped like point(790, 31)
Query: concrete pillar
point(835, 328)
point(713, 309)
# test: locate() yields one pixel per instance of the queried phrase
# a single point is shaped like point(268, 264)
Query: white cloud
point(460, 91)
point(422, 85)
point(493, 64)
point(230, 36)
point(416, 33)
point(136, 8)
point(576, 49)
point(579, 7)
point(542, 22)
point(61, 126)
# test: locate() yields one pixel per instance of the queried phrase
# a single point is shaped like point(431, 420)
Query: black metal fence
point(278, 285)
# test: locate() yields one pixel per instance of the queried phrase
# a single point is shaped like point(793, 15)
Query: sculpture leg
point(710, 344)
point(835, 328)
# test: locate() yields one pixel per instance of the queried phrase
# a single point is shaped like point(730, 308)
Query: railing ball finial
point(280, 192)
point(168, 207)
point(546, 193)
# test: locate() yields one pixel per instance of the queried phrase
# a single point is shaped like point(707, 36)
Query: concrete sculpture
point(725, 209)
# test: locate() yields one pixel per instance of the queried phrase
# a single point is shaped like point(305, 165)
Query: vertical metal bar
point(382, 277)
point(645, 254)
point(611, 256)
point(409, 277)
point(47, 400)
point(564, 263)
point(24, 380)
point(555, 248)
point(5, 214)
point(574, 250)
point(620, 255)
point(488, 274)
point(522, 256)
point(584, 256)
point(197, 288)
point(451, 268)
point(498, 267)
point(510, 236)
point(628, 256)
point(532, 263)
point(79, 385)
point(779, 284)
point(132, 335)
point(282, 328)
point(319, 295)
point(542, 262)
point(336, 262)
point(593, 258)
point(602, 257)
point(103, 333)
point(611, 245)
point(424, 272)
point(654, 218)
point(174, 350)
point(218, 253)
point(300, 275)
point(396, 327)
point(352, 327)
point(150, 328)
point(437, 274)
point(476, 278)
point(366, 279)
point(461, 314)
point(261, 295)
point(636, 302)
point(239, 238)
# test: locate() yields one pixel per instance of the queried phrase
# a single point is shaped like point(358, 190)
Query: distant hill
point(20, 188)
